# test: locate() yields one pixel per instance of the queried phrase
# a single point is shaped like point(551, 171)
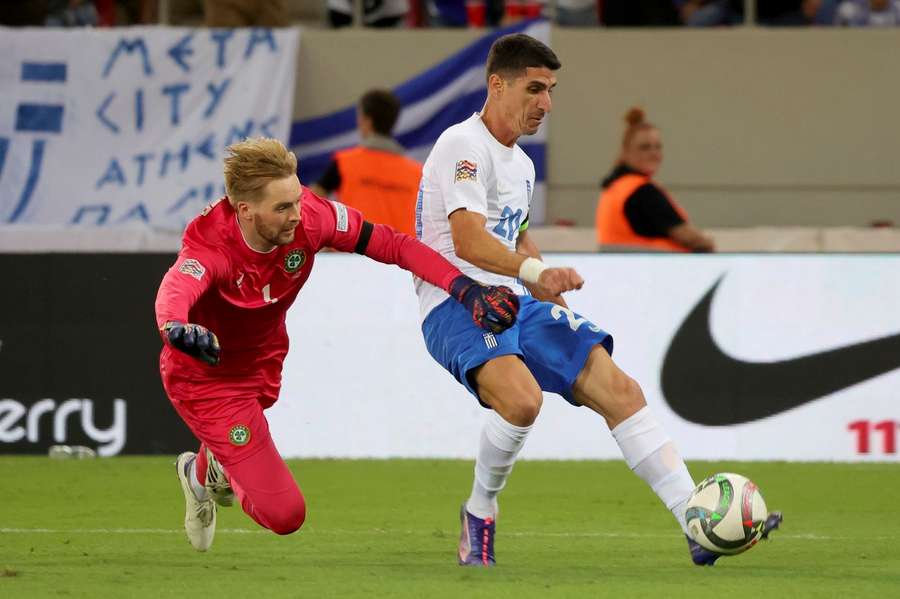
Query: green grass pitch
point(113, 528)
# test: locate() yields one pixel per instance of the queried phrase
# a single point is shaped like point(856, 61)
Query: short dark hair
point(511, 54)
point(382, 107)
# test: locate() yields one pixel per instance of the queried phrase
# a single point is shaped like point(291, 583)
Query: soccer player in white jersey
point(473, 208)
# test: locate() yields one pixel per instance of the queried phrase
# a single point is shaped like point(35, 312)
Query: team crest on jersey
point(294, 260)
point(466, 171)
point(239, 435)
point(192, 268)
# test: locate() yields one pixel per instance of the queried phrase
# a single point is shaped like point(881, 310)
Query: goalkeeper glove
point(493, 308)
point(194, 340)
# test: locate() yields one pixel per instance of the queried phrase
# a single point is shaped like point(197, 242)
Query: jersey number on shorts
point(575, 321)
point(509, 223)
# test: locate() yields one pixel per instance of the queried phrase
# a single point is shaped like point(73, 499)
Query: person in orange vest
point(375, 177)
point(634, 212)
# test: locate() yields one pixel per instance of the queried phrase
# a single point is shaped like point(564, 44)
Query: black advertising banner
point(79, 355)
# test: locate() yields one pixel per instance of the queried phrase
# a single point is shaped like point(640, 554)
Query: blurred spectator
point(826, 13)
point(106, 12)
point(246, 13)
point(577, 13)
point(447, 13)
point(375, 177)
point(634, 212)
point(376, 13)
point(141, 12)
point(868, 13)
point(465, 13)
point(23, 13)
point(710, 13)
point(520, 10)
point(639, 13)
point(787, 13)
point(71, 13)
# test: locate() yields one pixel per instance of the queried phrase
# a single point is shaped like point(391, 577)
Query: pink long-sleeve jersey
point(243, 295)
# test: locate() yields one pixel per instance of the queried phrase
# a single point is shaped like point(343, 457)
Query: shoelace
point(204, 512)
point(216, 483)
point(216, 480)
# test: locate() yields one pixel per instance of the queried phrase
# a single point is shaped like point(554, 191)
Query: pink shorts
point(230, 422)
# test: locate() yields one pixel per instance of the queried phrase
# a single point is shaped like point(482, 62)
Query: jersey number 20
point(509, 223)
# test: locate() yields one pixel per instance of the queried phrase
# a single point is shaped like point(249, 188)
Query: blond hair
point(251, 164)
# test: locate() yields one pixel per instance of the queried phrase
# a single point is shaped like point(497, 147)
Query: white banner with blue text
point(126, 127)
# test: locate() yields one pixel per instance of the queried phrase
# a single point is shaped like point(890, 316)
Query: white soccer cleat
point(199, 515)
point(216, 482)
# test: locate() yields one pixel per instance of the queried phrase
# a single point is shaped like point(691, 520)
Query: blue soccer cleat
point(701, 555)
point(773, 521)
point(476, 540)
point(705, 557)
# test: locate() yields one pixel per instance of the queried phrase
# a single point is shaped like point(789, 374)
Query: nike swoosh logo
point(704, 385)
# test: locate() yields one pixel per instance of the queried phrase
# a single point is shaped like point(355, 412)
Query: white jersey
point(468, 168)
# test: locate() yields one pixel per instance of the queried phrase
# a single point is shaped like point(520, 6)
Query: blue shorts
point(553, 341)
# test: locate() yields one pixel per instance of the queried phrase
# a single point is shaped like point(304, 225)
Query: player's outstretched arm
point(331, 224)
point(181, 287)
point(475, 245)
point(493, 308)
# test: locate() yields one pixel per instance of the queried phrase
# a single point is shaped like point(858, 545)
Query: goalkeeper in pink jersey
point(221, 312)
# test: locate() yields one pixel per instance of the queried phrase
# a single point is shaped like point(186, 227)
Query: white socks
point(500, 444)
point(652, 456)
point(647, 449)
point(198, 489)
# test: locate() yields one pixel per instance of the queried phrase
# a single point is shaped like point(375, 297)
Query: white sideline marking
point(120, 531)
point(247, 531)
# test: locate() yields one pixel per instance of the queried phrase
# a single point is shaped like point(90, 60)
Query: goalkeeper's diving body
point(474, 203)
point(221, 313)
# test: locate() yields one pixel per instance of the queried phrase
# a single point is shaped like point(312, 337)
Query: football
point(726, 513)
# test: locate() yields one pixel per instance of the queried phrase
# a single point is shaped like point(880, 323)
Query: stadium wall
point(741, 357)
point(761, 126)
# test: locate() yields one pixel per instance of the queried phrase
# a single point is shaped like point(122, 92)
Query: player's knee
point(290, 518)
point(524, 411)
point(626, 394)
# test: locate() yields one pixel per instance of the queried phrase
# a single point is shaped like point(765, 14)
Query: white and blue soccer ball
point(726, 513)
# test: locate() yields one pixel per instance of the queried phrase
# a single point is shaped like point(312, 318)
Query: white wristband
point(531, 270)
